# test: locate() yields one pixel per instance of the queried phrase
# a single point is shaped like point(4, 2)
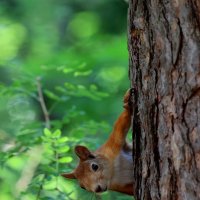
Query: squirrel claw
point(128, 95)
point(129, 99)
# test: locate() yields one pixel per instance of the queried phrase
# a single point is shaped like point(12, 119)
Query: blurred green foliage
point(73, 55)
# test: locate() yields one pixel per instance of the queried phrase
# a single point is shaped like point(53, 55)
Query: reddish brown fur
point(114, 160)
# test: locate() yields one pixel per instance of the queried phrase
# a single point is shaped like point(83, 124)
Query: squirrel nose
point(98, 189)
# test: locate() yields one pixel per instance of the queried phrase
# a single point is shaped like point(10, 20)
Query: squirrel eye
point(95, 167)
point(82, 187)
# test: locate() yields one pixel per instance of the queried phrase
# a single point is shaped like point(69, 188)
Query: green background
point(77, 52)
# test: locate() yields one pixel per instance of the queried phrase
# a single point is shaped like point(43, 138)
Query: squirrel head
point(93, 171)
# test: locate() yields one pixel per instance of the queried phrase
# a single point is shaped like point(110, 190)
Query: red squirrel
point(110, 167)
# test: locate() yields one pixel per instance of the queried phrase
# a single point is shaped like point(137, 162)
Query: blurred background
point(63, 74)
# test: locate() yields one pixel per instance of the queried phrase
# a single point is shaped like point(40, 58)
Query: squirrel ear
point(69, 175)
point(83, 153)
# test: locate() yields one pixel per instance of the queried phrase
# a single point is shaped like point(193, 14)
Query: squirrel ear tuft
point(83, 153)
point(69, 175)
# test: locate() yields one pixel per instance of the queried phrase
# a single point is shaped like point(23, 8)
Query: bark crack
point(168, 29)
point(180, 47)
point(173, 181)
point(137, 145)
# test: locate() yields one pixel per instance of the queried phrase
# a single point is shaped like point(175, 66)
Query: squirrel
point(110, 167)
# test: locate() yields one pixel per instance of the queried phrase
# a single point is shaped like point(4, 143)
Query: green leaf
point(60, 89)
point(65, 159)
point(68, 70)
point(46, 140)
point(81, 87)
point(63, 149)
point(70, 86)
point(37, 179)
point(47, 132)
point(93, 87)
point(56, 134)
point(52, 95)
point(63, 140)
point(86, 73)
point(48, 169)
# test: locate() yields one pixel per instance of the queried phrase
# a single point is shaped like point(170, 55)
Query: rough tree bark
point(164, 49)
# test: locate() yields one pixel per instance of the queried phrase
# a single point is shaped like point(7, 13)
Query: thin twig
point(42, 103)
point(47, 124)
point(40, 188)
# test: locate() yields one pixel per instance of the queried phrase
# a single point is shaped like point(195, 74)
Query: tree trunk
point(164, 48)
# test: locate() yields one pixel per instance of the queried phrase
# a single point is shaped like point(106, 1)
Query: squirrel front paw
point(127, 98)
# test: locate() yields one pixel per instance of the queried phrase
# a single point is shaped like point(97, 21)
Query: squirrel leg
point(117, 139)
